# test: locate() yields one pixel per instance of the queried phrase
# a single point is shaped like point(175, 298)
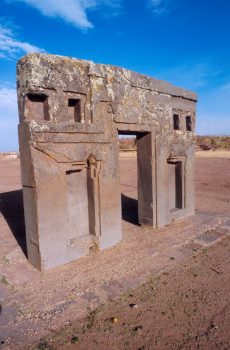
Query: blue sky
point(186, 42)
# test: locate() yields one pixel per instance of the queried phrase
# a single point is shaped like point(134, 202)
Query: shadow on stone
point(11, 207)
point(129, 209)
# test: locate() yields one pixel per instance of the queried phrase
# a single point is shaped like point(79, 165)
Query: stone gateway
point(71, 115)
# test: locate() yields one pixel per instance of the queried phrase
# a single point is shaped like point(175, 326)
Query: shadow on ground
point(129, 209)
point(11, 207)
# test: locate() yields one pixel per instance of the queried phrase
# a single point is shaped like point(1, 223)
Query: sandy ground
point(186, 308)
point(219, 153)
point(213, 154)
point(161, 289)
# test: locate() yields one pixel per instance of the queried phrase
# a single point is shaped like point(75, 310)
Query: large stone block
point(71, 113)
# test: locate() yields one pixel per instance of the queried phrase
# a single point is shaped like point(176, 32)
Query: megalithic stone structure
point(71, 113)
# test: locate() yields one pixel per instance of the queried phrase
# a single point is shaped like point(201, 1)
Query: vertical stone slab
point(31, 224)
point(77, 201)
point(189, 181)
point(146, 174)
point(163, 176)
point(110, 200)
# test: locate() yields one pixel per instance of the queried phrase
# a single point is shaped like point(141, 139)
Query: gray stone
point(71, 113)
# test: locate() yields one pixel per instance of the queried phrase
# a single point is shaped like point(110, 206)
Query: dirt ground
point(218, 153)
point(186, 308)
point(157, 289)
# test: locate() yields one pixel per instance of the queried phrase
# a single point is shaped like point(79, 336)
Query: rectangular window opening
point(38, 106)
point(176, 122)
point(74, 109)
point(189, 123)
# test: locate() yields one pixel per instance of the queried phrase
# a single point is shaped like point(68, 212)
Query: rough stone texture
point(71, 112)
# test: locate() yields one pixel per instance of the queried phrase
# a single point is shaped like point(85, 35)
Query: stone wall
point(71, 112)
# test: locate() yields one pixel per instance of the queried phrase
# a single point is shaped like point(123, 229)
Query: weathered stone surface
point(71, 112)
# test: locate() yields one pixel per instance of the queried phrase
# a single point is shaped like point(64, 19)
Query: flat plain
point(157, 289)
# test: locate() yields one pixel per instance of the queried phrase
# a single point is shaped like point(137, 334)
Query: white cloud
point(159, 7)
point(226, 87)
point(8, 98)
point(8, 119)
point(10, 46)
point(189, 76)
point(71, 11)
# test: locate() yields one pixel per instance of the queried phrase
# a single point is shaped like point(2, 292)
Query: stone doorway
point(136, 178)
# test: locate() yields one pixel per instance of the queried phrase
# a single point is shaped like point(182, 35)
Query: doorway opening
point(136, 176)
point(128, 177)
